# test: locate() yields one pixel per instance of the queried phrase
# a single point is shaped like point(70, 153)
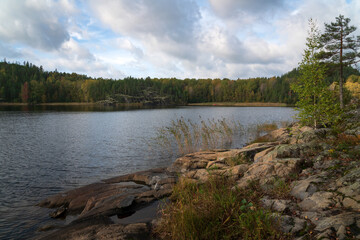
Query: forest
point(28, 83)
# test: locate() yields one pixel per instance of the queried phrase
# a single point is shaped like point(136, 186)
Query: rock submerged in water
point(324, 198)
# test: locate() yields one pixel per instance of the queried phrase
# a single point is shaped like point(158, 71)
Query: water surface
point(47, 151)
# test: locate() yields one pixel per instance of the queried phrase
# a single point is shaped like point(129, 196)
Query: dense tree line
point(31, 84)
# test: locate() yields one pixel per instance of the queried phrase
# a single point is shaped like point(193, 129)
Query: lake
point(44, 151)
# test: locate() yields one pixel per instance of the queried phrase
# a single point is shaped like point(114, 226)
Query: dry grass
point(184, 136)
point(213, 210)
point(266, 127)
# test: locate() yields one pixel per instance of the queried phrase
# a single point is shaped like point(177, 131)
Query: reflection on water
point(44, 152)
point(76, 107)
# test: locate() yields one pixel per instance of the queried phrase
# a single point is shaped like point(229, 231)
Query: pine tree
point(317, 105)
point(340, 48)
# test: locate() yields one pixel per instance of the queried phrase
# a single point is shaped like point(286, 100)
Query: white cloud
point(35, 23)
point(74, 57)
point(245, 8)
point(72, 50)
point(160, 25)
point(126, 44)
point(162, 38)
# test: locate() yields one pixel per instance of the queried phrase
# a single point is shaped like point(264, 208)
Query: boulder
point(278, 205)
point(202, 175)
point(353, 203)
point(237, 171)
point(260, 155)
point(336, 221)
point(283, 151)
point(193, 161)
point(318, 201)
point(218, 164)
point(292, 225)
point(350, 178)
point(218, 159)
point(304, 188)
point(307, 134)
point(299, 225)
point(251, 150)
point(267, 171)
point(314, 217)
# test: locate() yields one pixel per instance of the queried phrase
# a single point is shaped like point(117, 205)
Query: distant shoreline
point(242, 104)
point(66, 104)
point(217, 104)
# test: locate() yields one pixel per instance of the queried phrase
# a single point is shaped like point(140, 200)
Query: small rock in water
point(60, 212)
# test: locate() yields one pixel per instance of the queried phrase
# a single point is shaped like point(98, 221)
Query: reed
point(185, 136)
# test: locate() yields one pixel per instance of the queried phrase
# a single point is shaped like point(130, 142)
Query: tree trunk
point(341, 71)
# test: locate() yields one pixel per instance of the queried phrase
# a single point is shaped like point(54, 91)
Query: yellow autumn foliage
point(353, 85)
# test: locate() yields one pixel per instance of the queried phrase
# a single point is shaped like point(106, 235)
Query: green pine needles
point(317, 105)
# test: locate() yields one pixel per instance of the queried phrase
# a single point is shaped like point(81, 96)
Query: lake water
point(47, 151)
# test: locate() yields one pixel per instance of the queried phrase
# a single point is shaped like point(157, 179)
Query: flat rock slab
point(101, 228)
point(95, 194)
point(115, 196)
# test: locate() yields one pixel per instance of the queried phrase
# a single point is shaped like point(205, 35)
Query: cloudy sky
point(164, 38)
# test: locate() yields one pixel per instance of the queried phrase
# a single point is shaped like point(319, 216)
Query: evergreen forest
point(28, 83)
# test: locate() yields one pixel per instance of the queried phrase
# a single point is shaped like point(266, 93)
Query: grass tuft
point(237, 160)
point(212, 210)
point(278, 188)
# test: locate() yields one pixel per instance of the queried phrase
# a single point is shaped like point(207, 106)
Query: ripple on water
point(44, 153)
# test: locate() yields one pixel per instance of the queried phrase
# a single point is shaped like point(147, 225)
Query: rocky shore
point(320, 200)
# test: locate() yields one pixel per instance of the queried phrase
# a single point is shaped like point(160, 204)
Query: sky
point(164, 38)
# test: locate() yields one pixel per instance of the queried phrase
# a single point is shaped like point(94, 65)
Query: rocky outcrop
point(146, 97)
point(321, 171)
point(324, 194)
point(99, 205)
